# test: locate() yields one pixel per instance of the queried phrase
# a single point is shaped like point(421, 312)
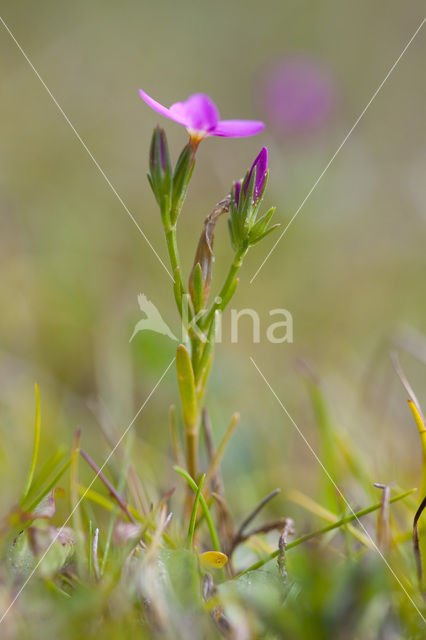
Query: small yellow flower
point(214, 559)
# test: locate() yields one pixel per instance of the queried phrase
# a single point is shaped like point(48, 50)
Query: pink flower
point(200, 116)
point(298, 95)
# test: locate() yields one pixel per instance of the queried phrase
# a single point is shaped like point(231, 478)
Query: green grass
point(120, 572)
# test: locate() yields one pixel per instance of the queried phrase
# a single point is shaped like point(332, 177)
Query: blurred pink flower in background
point(297, 95)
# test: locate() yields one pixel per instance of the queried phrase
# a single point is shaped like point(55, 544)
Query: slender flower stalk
point(228, 287)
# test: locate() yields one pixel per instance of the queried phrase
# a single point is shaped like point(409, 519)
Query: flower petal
point(238, 128)
point(159, 108)
point(199, 113)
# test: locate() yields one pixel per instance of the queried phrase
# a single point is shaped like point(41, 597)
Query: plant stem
point(76, 519)
point(173, 251)
point(108, 485)
point(35, 446)
point(172, 246)
point(230, 278)
point(191, 452)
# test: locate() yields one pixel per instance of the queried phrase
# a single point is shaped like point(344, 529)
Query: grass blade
point(319, 532)
point(222, 447)
point(50, 486)
point(194, 514)
point(193, 485)
point(36, 445)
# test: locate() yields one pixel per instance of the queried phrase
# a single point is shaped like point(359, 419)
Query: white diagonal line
point(84, 145)
point(299, 431)
point(345, 139)
point(4, 614)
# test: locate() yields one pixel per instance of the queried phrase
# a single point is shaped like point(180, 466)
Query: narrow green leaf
point(50, 467)
point(259, 227)
point(326, 434)
point(194, 514)
point(222, 447)
point(231, 229)
point(187, 388)
point(76, 507)
point(50, 486)
point(208, 347)
point(90, 550)
point(266, 233)
point(36, 445)
point(97, 498)
point(193, 485)
point(197, 286)
point(202, 382)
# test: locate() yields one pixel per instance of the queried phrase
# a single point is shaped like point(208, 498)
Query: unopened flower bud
point(160, 169)
point(244, 227)
point(181, 177)
point(260, 168)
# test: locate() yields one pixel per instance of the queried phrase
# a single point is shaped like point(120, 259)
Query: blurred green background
point(350, 269)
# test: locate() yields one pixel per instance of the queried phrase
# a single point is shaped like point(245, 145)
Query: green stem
point(35, 446)
point(232, 273)
point(192, 452)
point(173, 251)
point(172, 247)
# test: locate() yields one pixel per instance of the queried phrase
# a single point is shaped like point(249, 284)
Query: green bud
point(196, 287)
point(181, 177)
point(160, 170)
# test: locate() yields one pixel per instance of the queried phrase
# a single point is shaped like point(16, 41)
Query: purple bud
point(261, 166)
point(159, 152)
point(237, 192)
point(160, 168)
point(163, 152)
